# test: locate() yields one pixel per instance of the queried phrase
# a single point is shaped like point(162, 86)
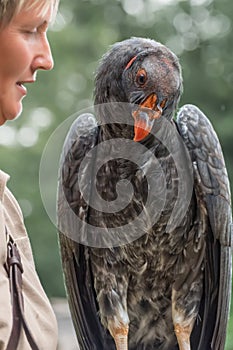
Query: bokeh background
point(198, 31)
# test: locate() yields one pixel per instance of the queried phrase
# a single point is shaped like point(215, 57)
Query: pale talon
point(160, 108)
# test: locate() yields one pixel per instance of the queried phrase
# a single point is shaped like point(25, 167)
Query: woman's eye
point(30, 31)
point(141, 77)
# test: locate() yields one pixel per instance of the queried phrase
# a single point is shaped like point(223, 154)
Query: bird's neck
point(110, 131)
point(115, 120)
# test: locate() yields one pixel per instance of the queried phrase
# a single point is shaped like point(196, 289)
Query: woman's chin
point(12, 113)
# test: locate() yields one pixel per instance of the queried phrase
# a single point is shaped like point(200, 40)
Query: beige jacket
point(38, 312)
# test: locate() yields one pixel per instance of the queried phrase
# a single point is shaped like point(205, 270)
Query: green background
point(198, 31)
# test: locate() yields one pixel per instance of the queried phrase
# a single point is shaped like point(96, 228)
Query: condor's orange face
point(151, 82)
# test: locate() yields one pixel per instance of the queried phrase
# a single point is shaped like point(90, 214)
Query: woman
point(26, 317)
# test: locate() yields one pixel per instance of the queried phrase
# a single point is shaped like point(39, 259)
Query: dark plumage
point(165, 280)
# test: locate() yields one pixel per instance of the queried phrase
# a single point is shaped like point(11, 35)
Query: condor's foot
point(183, 336)
point(120, 335)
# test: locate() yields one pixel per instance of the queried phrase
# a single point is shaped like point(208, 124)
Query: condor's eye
point(141, 77)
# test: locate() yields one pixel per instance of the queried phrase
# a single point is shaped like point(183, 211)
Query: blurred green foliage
point(198, 31)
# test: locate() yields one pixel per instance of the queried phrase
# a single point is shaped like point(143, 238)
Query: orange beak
point(145, 115)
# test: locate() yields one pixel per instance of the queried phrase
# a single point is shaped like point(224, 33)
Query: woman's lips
point(22, 88)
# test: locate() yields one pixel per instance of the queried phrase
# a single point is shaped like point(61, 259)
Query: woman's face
point(24, 49)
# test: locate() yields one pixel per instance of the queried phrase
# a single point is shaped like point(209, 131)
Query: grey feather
point(213, 189)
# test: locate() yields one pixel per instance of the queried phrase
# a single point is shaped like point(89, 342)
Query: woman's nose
point(43, 59)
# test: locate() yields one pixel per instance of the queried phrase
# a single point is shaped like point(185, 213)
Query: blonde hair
point(10, 8)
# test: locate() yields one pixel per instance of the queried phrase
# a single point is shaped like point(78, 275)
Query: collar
point(3, 180)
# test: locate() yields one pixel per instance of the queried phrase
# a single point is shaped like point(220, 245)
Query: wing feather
point(72, 213)
point(212, 188)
